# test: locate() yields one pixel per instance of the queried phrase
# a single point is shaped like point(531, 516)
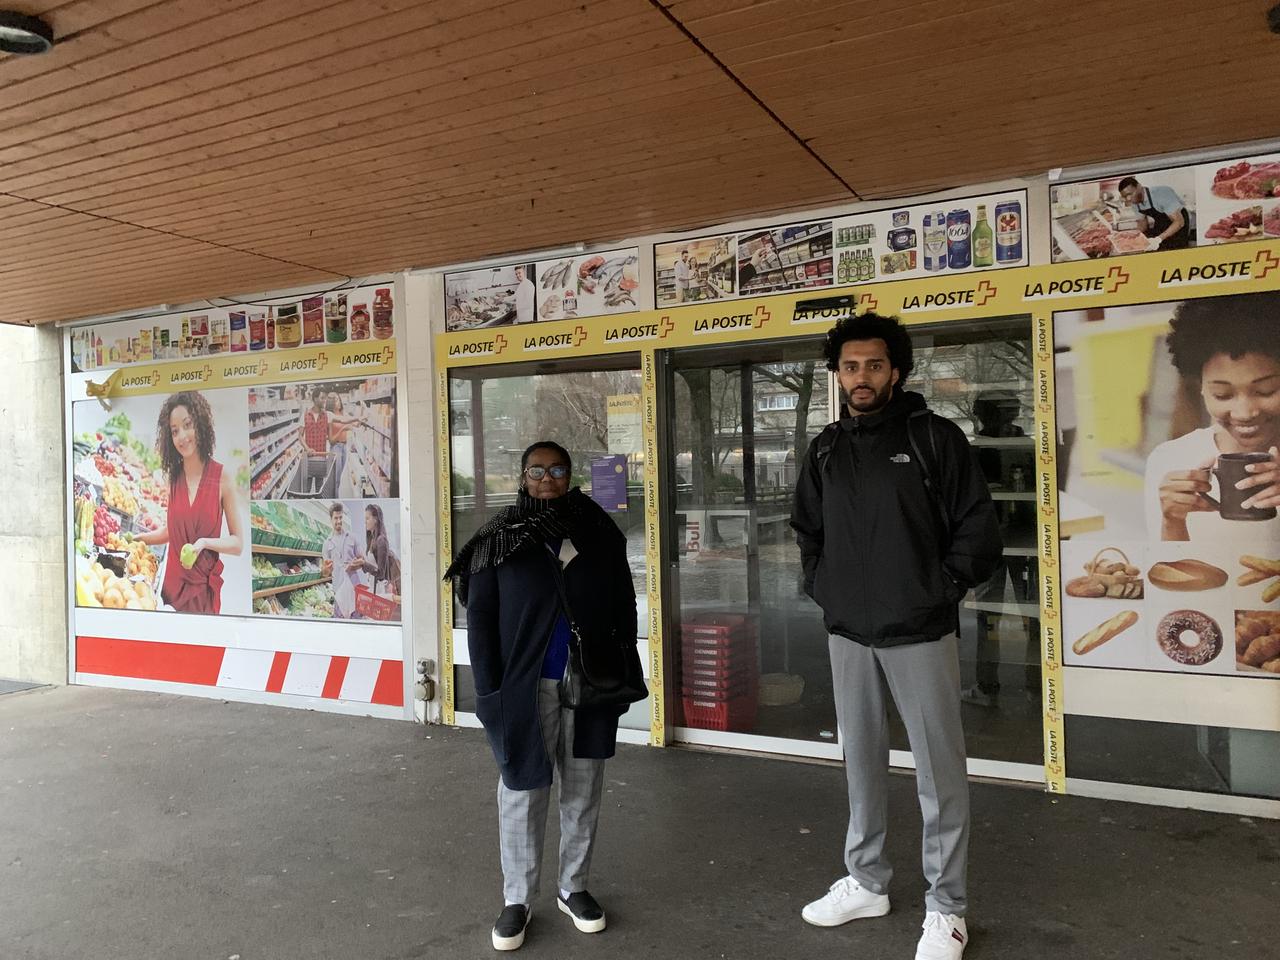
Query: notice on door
point(624, 423)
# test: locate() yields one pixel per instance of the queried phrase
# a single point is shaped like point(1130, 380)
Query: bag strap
point(558, 574)
point(929, 469)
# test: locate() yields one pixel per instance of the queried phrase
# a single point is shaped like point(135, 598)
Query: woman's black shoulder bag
point(601, 673)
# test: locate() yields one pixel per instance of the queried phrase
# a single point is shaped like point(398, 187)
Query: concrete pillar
point(33, 591)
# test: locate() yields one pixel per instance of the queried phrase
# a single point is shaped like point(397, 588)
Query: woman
point(519, 641)
point(1227, 347)
point(379, 560)
point(339, 433)
point(201, 495)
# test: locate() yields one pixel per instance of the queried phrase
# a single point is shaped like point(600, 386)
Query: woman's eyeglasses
point(558, 472)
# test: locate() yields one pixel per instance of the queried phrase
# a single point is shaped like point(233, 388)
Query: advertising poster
point(345, 316)
point(327, 559)
point(590, 285)
point(686, 271)
point(625, 434)
point(490, 297)
point(323, 439)
point(929, 240)
point(1169, 469)
point(160, 486)
point(796, 257)
point(1225, 201)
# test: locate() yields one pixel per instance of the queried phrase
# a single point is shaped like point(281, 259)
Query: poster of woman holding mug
point(1222, 481)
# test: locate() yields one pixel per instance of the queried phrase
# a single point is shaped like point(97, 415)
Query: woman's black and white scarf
point(530, 522)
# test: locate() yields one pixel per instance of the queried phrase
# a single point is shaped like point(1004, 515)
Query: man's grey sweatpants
point(924, 681)
point(522, 814)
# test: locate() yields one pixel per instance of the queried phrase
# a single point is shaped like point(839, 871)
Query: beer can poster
point(1168, 419)
point(934, 239)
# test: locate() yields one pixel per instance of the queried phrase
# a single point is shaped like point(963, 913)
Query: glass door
point(748, 655)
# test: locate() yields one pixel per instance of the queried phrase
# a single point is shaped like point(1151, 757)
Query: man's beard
point(860, 402)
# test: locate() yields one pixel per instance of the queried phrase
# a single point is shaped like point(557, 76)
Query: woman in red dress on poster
point(201, 494)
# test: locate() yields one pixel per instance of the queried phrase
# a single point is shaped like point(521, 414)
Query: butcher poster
point(1169, 476)
point(1224, 201)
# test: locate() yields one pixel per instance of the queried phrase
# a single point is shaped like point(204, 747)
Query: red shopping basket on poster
point(369, 604)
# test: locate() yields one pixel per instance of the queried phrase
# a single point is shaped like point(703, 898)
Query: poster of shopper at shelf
point(957, 235)
point(327, 559)
point(690, 271)
point(160, 493)
point(1169, 469)
point(324, 439)
point(491, 297)
point(335, 316)
point(777, 259)
point(589, 285)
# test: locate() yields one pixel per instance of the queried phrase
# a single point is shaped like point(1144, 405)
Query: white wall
point(33, 595)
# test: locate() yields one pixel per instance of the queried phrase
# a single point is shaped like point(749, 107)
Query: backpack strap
point(826, 442)
point(929, 467)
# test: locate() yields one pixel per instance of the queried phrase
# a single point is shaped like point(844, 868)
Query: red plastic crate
point(704, 713)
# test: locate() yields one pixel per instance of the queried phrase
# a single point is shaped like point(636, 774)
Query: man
point(315, 426)
point(682, 276)
point(524, 297)
point(1168, 225)
point(341, 559)
point(894, 523)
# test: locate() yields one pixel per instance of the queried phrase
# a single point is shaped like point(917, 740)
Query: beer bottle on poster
point(983, 240)
point(271, 328)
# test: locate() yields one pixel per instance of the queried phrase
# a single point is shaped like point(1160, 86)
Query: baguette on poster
point(1186, 575)
point(1108, 630)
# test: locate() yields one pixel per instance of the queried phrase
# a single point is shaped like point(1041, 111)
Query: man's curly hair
point(198, 407)
point(1235, 325)
point(871, 326)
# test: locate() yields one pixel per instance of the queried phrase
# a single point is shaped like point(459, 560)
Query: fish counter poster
point(584, 285)
point(1169, 454)
point(1225, 201)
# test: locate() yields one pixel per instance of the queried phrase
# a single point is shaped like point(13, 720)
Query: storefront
point(1126, 647)
point(1142, 652)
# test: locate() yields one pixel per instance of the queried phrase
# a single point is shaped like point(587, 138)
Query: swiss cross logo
point(986, 290)
point(499, 343)
point(321, 359)
point(868, 302)
point(667, 326)
point(762, 316)
point(1264, 261)
point(1117, 277)
point(579, 334)
point(388, 354)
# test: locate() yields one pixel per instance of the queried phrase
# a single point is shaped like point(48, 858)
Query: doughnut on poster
point(1168, 462)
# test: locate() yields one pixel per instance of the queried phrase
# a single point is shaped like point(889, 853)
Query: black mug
point(1231, 470)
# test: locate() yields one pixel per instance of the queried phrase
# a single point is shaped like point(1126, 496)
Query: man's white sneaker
point(846, 900)
point(944, 937)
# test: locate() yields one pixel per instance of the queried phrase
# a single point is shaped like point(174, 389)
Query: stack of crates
point(719, 672)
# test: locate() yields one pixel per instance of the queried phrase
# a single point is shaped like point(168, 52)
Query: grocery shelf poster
point(1168, 459)
point(491, 297)
point(274, 498)
point(777, 259)
point(589, 285)
point(1224, 201)
point(688, 271)
point(257, 329)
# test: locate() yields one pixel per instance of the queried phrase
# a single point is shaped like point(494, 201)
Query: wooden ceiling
point(168, 150)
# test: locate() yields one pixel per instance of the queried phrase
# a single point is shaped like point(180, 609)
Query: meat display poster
point(1224, 201)
point(490, 297)
point(1169, 474)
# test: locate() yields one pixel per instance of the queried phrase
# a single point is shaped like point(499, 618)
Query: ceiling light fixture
point(24, 34)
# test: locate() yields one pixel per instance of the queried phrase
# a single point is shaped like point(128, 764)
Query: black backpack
point(929, 468)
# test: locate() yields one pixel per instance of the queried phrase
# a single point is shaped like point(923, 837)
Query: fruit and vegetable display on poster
point(1222, 201)
point(276, 499)
point(1170, 471)
point(344, 315)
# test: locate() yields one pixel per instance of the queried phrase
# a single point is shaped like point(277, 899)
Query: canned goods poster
point(336, 316)
point(1169, 473)
point(278, 499)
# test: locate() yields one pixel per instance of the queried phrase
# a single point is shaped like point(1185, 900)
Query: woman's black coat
point(511, 610)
